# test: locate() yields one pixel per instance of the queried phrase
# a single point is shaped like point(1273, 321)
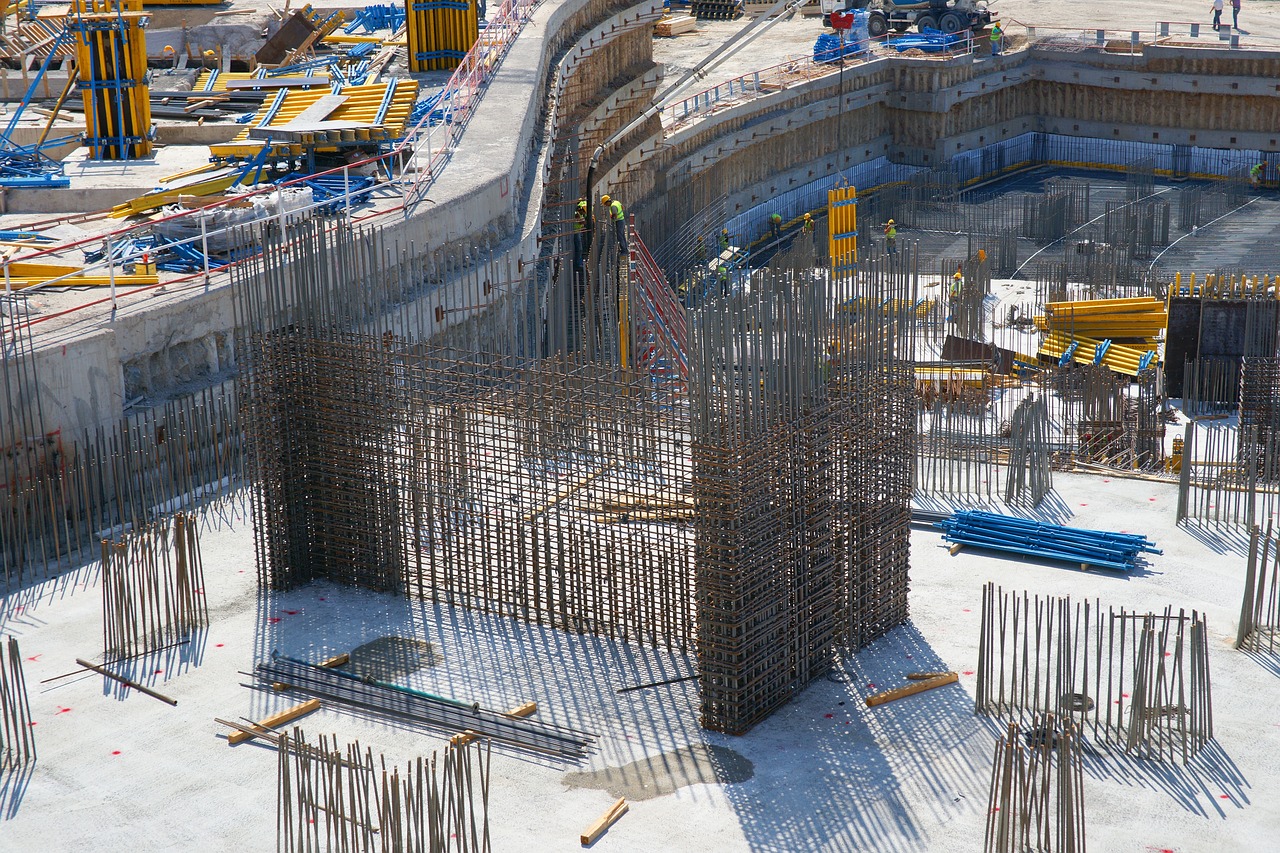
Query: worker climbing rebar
point(579, 233)
point(891, 238)
point(619, 218)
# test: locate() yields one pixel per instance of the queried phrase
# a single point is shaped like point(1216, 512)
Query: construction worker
point(891, 238)
point(724, 239)
point(722, 276)
point(614, 207)
point(775, 225)
point(579, 233)
point(1255, 175)
point(699, 251)
point(957, 283)
point(806, 227)
point(997, 36)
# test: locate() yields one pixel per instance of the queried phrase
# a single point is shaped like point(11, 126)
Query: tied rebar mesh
point(1139, 681)
point(1259, 629)
point(17, 736)
point(803, 434)
point(1036, 798)
point(152, 588)
point(336, 797)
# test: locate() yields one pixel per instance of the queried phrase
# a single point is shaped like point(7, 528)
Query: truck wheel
point(951, 23)
point(877, 26)
point(926, 22)
point(901, 26)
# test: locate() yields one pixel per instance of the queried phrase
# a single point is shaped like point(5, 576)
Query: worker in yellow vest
point(775, 225)
point(890, 238)
point(619, 219)
point(807, 226)
point(579, 233)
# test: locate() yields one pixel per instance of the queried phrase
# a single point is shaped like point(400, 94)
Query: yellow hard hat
point(604, 199)
point(209, 53)
point(168, 48)
point(807, 216)
point(890, 221)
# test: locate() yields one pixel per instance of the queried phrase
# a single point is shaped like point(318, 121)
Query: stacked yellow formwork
point(842, 228)
point(1224, 287)
point(440, 32)
point(373, 113)
point(1142, 318)
point(111, 55)
point(1119, 334)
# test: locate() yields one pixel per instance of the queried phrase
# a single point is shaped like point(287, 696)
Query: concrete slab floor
point(121, 772)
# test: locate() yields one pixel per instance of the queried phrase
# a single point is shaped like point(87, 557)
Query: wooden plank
point(277, 719)
point(911, 689)
point(606, 820)
point(316, 112)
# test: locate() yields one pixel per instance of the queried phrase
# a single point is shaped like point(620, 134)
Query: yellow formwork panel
point(440, 32)
point(361, 108)
point(215, 81)
point(1118, 357)
point(1224, 287)
point(842, 228)
point(111, 55)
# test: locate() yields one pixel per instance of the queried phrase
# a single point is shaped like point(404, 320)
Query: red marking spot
point(242, 572)
point(115, 752)
point(1168, 654)
point(908, 657)
point(18, 609)
point(291, 612)
point(322, 598)
point(1125, 695)
point(1106, 481)
point(1224, 796)
point(200, 591)
point(848, 722)
point(32, 723)
point(1150, 499)
point(63, 711)
point(159, 672)
point(871, 687)
point(996, 809)
point(218, 645)
point(966, 610)
point(968, 672)
point(828, 716)
point(1083, 504)
point(274, 619)
point(35, 658)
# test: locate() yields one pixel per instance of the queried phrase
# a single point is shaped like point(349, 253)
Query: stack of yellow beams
point(29, 273)
point(1119, 358)
point(440, 32)
point(358, 113)
point(1143, 318)
point(111, 55)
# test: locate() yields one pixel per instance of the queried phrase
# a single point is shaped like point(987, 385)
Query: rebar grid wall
point(1259, 629)
point(335, 798)
point(152, 587)
point(1228, 477)
point(1036, 799)
point(59, 491)
point(17, 735)
point(1136, 680)
point(803, 435)
point(553, 490)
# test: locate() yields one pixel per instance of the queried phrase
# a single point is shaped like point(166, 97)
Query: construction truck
point(949, 16)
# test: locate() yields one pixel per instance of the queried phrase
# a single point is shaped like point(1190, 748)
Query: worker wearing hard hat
point(806, 227)
point(619, 219)
point(724, 239)
point(891, 238)
point(579, 233)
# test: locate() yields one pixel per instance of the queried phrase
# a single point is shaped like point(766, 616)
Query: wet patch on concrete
point(658, 775)
point(391, 658)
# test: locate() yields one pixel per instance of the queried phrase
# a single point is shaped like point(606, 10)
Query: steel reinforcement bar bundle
point(407, 704)
point(1092, 548)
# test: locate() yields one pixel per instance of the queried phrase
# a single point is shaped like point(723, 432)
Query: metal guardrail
point(413, 164)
